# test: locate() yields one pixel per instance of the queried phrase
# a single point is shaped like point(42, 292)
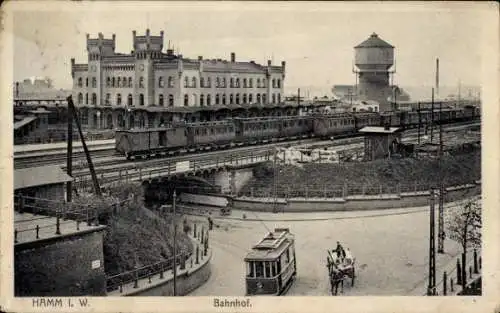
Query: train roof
point(271, 246)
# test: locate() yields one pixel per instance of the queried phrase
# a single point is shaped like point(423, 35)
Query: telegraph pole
point(174, 226)
point(275, 182)
point(431, 288)
point(419, 122)
point(432, 115)
point(441, 188)
point(69, 157)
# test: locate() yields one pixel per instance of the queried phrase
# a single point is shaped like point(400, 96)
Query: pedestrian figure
point(210, 223)
point(340, 250)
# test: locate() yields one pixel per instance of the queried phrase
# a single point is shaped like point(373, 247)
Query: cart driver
point(340, 250)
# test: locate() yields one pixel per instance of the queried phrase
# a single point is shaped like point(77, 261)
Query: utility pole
point(432, 116)
point(275, 185)
point(441, 187)
point(69, 157)
point(174, 226)
point(419, 122)
point(431, 288)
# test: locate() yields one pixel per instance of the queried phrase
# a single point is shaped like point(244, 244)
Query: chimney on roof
point(233, 57)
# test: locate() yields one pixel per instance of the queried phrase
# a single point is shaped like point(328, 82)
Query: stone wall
point(352, 203)
point(70, 265)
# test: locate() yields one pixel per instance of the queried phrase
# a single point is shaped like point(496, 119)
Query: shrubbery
point(135, 236)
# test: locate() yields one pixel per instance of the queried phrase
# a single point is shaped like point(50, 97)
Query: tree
point(464, 226)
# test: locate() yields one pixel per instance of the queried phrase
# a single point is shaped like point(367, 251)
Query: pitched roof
point(25, 121)
point(39, 176)
point(379, 130)
point(374, 42)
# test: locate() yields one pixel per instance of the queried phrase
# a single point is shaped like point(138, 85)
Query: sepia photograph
point(231, 151)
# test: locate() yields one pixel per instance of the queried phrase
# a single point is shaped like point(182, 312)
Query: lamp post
point(98, 114)
point(127, 118)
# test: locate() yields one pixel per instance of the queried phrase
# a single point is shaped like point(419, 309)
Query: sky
point(315, 39)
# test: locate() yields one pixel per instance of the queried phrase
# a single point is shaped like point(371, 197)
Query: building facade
point(149, 87)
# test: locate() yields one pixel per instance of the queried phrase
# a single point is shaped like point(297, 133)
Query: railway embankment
point(379, 184)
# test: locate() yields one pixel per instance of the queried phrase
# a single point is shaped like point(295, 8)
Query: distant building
point(38, 88)
point(149, 86)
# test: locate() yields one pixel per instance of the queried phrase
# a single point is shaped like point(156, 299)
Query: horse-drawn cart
point(340, 268)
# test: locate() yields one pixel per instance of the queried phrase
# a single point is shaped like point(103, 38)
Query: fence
point(149, 272)
point(44, 210)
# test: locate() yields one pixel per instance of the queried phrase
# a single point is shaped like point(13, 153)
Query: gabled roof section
point(374, 42)
point(39, 176)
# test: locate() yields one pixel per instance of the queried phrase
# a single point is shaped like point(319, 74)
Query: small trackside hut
point(271, 264)
point(381, 142)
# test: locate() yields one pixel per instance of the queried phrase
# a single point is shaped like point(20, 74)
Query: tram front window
point(267, 266)
point(259, 269)
point(250, 269)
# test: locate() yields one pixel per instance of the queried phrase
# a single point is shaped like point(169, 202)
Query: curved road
point(390, 246)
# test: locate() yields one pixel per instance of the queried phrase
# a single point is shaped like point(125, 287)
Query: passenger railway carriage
point(240, 131)
point(271, 264)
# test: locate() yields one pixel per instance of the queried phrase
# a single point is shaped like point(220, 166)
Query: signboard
point(96, 264)
point(183, 166)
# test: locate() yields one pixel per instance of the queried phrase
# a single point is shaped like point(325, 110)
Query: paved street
point(390, 246)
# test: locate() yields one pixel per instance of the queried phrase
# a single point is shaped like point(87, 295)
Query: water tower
point(373, 58)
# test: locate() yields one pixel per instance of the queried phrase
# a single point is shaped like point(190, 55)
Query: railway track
point(106, 158)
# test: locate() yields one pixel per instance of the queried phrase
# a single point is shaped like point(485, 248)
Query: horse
point(336, 279)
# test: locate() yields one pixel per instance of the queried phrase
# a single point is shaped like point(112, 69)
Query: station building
point(149, 87)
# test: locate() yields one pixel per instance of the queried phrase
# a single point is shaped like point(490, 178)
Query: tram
point(271, 264)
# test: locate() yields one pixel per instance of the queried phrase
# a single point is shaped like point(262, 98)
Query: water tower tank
point(374, 55)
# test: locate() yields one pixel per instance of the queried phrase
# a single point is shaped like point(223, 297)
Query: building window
point(250, 98)
point(263, 83)
point(217, 99)
point(264, 98)
point(193, 82)
point(258, 98)
point(141, 82)
point(237, 98)
point(108, 82)
point(244, 83)
point(274, 83)
point(202, 99)
point(160, 100)
point(161, 83)
point(171, 100)
point(94, 82)
point(80, 98)
point(258, 82)
point(170, 82)
point(94, 98)
point(224, 82)
point(217, 82)
point(108, 99)
point(124, 82)
point(86, 82)
point(118, 99)
point(274, 98)
point(186, 82)
point(113, 82)
point(80, 82)
point(209, 100)
point(244, 98)
point(129, 99)
point(86, 98)
point(231, 99)
point(202, 82)
point(130, 82)
point(279, 98)
point(237, 83)
point(118, 83)
point(141, 99)
point(186, 100)
point(224, 99)
point(231, 83)
point(278, 82)
point(250, 83)
point(209, 82)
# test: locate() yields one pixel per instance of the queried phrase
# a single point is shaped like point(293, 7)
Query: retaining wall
point(354, 202)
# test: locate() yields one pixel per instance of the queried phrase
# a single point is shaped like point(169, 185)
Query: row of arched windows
point(119, 82)
point(80, 82)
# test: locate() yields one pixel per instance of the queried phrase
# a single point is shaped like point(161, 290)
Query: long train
point(242, 131)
